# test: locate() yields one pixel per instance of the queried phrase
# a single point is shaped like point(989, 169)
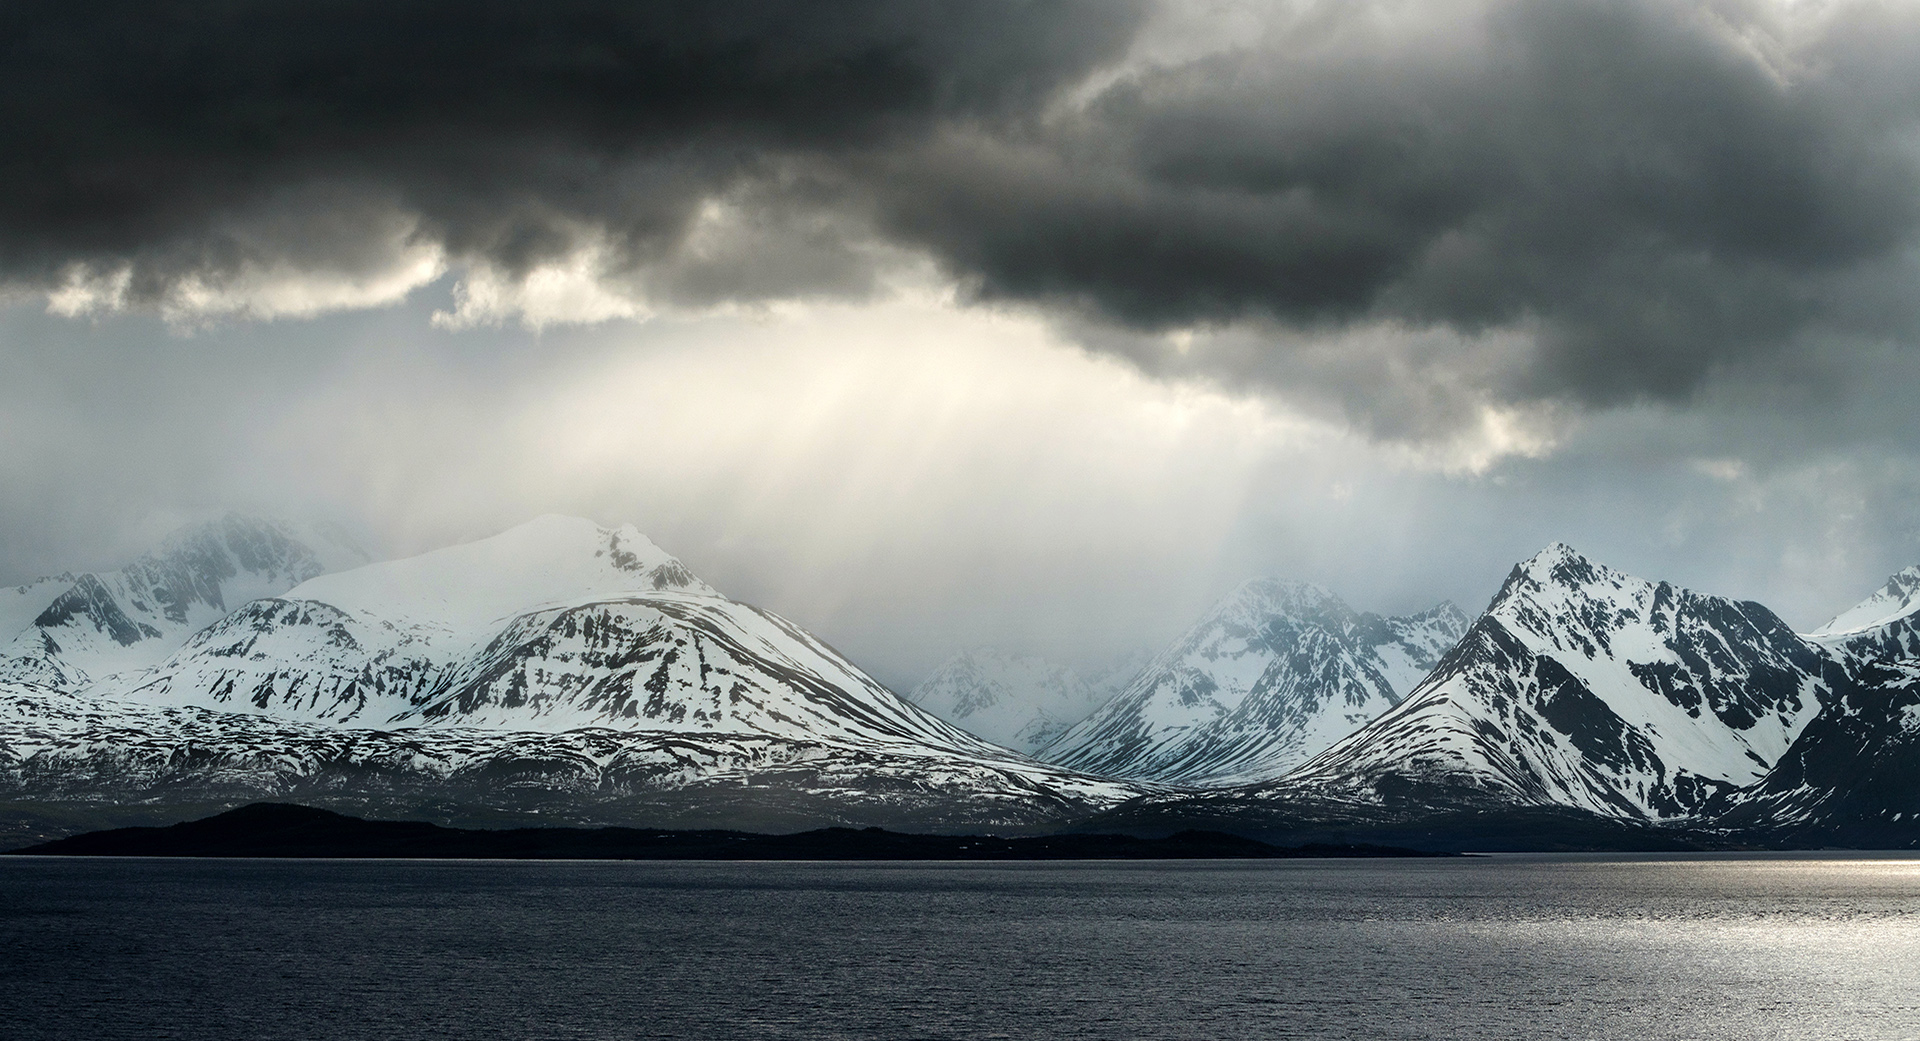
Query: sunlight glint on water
point(1644, 949)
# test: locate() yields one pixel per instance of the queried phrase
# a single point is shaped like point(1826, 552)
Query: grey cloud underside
point(1648, 192)
point(1617, 179)
point(145, 132)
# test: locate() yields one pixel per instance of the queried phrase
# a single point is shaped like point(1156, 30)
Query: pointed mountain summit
point(1016, 700)
point(1885, 625)
point(70, 631)
point(1584, 687)
point(1272, 675)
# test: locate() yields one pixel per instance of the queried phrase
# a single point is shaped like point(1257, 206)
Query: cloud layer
point(1623, 197)
point(147, 147)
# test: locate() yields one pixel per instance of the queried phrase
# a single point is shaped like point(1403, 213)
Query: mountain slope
point(59, 750)
point(1272, 675)
point(1584, 687)
point(72, 631)
point(684, 662)
point(1020, 701)
point(1853, 776)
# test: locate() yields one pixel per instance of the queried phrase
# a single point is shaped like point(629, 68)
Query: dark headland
point(282, 830)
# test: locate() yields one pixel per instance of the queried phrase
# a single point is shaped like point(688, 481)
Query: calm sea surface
point(1636, 949)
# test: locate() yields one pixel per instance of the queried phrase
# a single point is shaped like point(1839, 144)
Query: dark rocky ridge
point(282, 830)
point(1425, 818)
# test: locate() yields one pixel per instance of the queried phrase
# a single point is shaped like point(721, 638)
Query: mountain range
point(1587, 702)
point(561, 671)
point(558, 668)
point(1584, 687)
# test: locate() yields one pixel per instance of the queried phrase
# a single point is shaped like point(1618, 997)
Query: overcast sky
point(1036, 324)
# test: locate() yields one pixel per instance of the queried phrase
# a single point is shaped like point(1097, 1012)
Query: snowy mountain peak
point(1588, 687)
point(1883, 627)
point(206, 564)
point(1559, 598)
point(272, 548)
point(555, 625)
point(1444, 615)
point(1898, 599)
point(1559, 566)
point(1261, 599)
point(548, 561)
point(981, 672)
point(1557, 552)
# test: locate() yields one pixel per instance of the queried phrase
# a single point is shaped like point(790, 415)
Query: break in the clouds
point(1492, 204)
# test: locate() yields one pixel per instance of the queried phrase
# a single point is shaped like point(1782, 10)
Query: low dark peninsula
point(281, 830)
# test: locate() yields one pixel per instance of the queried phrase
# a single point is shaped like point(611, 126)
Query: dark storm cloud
point(1630, 182)
point(136, 130)
point(1647, 192)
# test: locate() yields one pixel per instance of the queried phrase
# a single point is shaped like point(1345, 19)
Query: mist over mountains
point(1269, 678)
point(566, 672)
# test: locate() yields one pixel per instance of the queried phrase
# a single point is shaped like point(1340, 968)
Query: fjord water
point(1511, 947)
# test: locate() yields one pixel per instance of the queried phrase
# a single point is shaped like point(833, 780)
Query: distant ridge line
point(281, 830)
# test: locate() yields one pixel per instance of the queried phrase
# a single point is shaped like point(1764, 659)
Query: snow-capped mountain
point(681, 662)
point(368, 645)
point(1271, 676)
point(557, 624)
point(581, 673)
point(1584, 687)
point(1853, 776)
point(558, 660)
point(1017, 700)
point(75, 630)
point(1885, 625)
